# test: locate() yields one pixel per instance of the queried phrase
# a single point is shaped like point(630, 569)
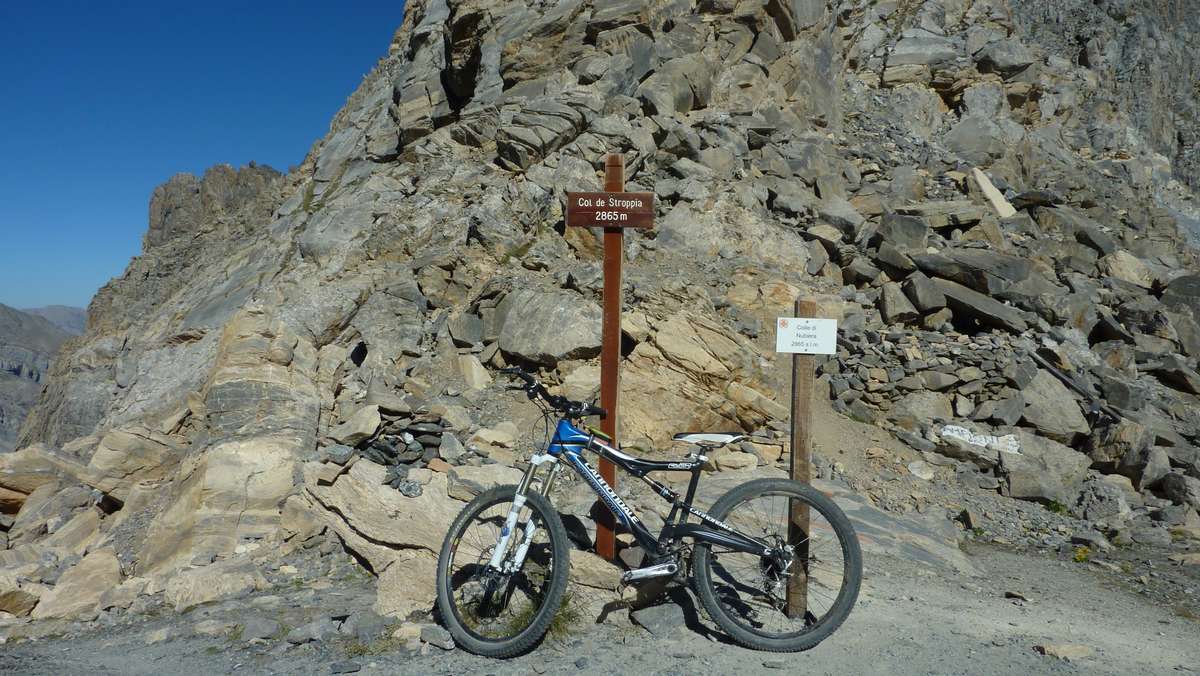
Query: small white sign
point(801, 335)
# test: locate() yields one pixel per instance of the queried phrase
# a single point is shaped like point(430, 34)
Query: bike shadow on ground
point(679, 594)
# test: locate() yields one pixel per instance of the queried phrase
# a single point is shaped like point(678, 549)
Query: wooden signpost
point(612, 210)
point(803, 336)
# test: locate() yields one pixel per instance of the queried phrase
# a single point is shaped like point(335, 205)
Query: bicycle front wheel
point(494, 613)
point(748, 595)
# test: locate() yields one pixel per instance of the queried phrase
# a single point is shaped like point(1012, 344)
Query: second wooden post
point(801, 454)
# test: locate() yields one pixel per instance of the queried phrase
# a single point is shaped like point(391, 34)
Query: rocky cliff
point(27, 344)
point(996, 228)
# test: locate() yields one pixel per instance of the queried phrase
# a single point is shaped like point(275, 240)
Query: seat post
point(693, 483)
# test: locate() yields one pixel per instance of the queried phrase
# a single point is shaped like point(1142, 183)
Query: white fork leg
point(506, 533)
point(519, 559)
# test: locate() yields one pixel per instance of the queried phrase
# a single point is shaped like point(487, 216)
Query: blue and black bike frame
point(568, 444)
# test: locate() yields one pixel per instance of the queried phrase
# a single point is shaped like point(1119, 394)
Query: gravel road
point(910, 619)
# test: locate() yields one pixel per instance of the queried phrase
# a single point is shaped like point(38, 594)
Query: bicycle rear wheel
point(747, 594)
point(501, 614)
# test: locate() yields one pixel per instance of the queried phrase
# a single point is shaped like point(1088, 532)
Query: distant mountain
point(27, 344)
point(73, 320)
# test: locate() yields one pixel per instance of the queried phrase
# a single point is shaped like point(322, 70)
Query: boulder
point(221, 580)
point(18, 597)
point(985, 271)
point(123, 595)
point(1007, 57)
point(1102, 501)
point(660, 620)
point(923, 293)
point(473, 372)
point(1175, 373)
point(1051, 408)
point(318, 630)
point(918, 48)
point(360, 427)
point(976, 139)
point(894, 305)
point(77, 593)
point(546, 327)
point(406, 586)
point(75, 535)
point(376, 521)
point(10, 502)
point(726, 460)
point(1111, 443)
point(466, 329)
point(961, 214)
point(893, 259)
point(1044, 470)
point(678, 86)
point(450, 448)
point(919, 409)
point(1145, 466)
point(503, 434)
point(906, 233)
point(24, 470)
point(541, 127)
point(1126, 267)
point(936, 380)
point(1180, 489)
point(981, 308)
point(839, 213)
point(962, 449)
point(1183, 294)
point(590, 570)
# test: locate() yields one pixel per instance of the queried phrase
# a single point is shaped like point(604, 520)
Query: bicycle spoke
point(491, 604)
point(753, 590)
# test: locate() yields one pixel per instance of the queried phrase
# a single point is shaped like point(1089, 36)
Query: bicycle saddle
point(708, 438)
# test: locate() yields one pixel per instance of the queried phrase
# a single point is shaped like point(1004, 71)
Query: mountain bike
point(775, 563)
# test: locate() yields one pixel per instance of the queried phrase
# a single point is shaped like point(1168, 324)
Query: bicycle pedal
point(660, 570)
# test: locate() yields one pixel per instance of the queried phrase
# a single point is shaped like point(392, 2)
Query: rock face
point(319, 351)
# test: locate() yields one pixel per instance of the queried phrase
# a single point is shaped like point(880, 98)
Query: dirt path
point(911, 619)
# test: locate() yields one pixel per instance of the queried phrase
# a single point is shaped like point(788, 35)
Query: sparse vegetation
point(382, 645)
point(1057, 507)
point(569, 614)
point(1082, 554)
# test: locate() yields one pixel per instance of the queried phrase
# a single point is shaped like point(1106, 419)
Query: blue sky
point(101, 102)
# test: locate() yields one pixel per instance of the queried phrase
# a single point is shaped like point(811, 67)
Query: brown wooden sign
point(610, 209)
point(614, 210)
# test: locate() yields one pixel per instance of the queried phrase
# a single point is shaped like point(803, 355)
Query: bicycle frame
point(568, 444)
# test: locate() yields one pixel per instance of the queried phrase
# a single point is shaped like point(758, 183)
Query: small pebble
point(346, 667)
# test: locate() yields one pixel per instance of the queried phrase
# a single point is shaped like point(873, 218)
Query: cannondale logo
point(608, 494)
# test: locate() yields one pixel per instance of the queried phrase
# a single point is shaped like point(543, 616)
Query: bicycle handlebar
point(535, 389)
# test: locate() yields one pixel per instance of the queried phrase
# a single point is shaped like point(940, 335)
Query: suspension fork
point(529, 528)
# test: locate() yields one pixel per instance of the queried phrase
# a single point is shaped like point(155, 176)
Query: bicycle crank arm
point(660, 570)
